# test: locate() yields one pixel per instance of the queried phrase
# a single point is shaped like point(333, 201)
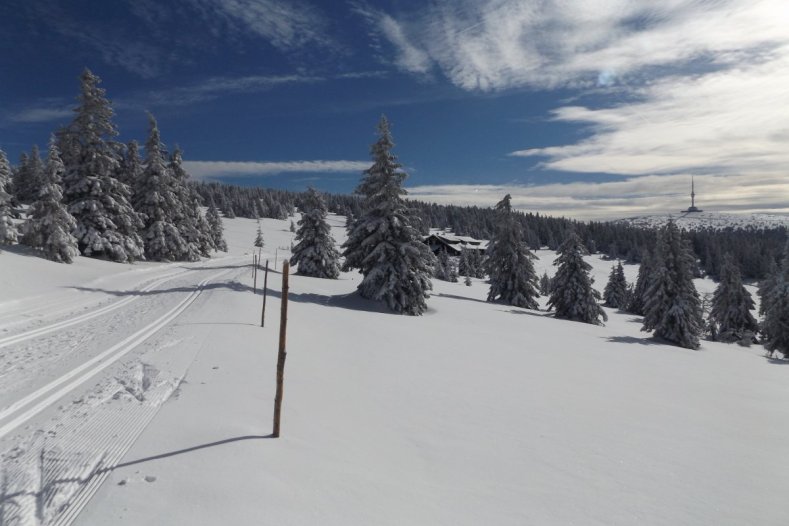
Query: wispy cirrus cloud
point(219, 169)
point(500, 44)
point(164, 34)
point(286, 25)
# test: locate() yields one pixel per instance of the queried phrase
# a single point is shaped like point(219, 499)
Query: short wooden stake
point(283, 326)
point(265, 293)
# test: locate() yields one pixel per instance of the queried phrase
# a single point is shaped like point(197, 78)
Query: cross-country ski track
point(40, 484)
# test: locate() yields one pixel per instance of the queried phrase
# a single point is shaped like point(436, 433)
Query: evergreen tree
point(8, 233)
point(157, 200)
point(19, 177)
point(315, 253)
point(29, 177)
point(50, 225)
point(215, 225)
point(106, 223)
point(259, 237)
point(776, 319)
point(130, 171)
point(616, 293)
point(545, 284)
point(639, 294)
point(509, 265)
point(673, 309)
point(446, 268)
point(190, 221)
point(766, 285)
point(382, 243)
point(732, 305)
point(573, 297)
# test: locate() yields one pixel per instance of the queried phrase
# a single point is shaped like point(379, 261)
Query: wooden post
point(265, 293)
point(283, 326)
point(276, 253)
point(254, 275)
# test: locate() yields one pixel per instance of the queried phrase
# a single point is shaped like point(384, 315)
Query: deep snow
point(474, 413)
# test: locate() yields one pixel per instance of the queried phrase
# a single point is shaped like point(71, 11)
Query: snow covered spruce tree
point(106, 223)
point(315, 253)
point(776, 310)
point(732, 305)
point(512, 277)
point(8, 233)
point(130, 169)
point(639, 294)
point(382, 243)
point(190, 221)
point(215, 224)
point(49, 225)
point(545, 284)
point(616, 292)
point(156, 199)
point(673, 309)
point(29, 176)
point(259, 237)
point(573, 297)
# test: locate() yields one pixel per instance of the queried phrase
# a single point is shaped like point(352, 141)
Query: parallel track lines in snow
point(37, 401)
point(16, 338)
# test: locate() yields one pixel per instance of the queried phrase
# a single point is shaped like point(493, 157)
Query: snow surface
point(712, 220)
point(474, 413)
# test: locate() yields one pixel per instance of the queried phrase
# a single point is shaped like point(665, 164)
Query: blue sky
point(583, 108)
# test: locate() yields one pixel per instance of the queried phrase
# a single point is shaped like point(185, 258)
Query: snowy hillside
point(711, 220)
point(143, 394)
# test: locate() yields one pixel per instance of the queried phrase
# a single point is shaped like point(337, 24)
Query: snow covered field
point(149, 402)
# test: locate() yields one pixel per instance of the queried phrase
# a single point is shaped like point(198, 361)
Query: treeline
point(753, 251)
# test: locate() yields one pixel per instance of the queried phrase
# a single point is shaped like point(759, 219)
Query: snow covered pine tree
point(732, 305)
point(8, 233)
point(776, 317)
point(512, 277)
point(382, 243)
point(259, 237)
point(50, 225)
point(156, 198)
point(616, 293)
point(315, 253)
point(639, 294)
point(573, 297)
point(215, 224)
point(106, 223)
point(673, 308)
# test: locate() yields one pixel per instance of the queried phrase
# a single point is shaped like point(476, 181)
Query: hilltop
point(711, 220)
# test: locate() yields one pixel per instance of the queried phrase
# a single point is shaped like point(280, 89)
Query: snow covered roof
point(452, 239)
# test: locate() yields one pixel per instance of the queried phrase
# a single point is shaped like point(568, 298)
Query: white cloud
point(499, 44)
point(731, 121)
point(218, 169)
point(624, 198)
point(689, 87)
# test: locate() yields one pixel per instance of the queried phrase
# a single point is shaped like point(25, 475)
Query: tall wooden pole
point(283, 326)
point(265, 293)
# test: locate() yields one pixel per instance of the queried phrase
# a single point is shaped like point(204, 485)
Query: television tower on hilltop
point(692, 198)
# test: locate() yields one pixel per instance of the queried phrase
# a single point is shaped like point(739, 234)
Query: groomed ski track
point(41, 485)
